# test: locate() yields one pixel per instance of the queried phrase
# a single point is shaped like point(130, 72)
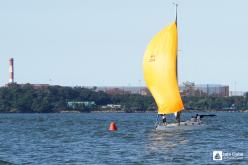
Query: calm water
point(84, 139)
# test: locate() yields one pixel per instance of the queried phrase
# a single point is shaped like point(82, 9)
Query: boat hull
point(183, 126)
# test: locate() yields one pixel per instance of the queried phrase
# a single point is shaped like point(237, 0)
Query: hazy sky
point(102, 42)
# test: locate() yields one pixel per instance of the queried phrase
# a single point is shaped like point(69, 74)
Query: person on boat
point(198, 118)
point(193, 119)
point(164, 119)
point(178, 117)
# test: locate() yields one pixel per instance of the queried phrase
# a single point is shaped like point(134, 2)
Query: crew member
point(164, 119)
point(178, 116)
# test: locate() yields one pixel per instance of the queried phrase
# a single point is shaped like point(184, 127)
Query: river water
point(83, 138)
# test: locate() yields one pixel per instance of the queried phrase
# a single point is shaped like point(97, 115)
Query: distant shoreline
point(122, 111)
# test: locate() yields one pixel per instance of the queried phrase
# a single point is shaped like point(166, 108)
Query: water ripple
point(84, 139)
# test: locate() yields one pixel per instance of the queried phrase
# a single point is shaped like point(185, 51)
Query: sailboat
point(160, 74)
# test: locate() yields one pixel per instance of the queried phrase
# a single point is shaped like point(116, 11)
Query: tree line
point(28, 98)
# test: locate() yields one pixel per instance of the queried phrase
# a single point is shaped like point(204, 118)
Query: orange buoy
point(112, 126)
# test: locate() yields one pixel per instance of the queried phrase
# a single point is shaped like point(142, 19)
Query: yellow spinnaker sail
point(160, 70)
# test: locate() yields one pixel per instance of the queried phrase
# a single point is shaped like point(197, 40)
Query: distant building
point(35, 86)
point(123, 90)
point(237, 93)
point(191, 89)
point(11, 70)
point(111, 106)
point(214, 89)
point(77, 104)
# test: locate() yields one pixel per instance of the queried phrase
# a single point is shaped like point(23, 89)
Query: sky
point(102, 43)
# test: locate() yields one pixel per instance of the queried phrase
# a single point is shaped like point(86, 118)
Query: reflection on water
point(165, 144)
point(160, 139)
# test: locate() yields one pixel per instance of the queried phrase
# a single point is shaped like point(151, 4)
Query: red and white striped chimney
point(11, 70)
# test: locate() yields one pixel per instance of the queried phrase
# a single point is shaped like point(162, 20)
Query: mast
point(177, 114)
point(176, 11)
point(177, 47)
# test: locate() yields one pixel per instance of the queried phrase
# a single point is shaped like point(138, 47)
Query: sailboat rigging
point(160, 71)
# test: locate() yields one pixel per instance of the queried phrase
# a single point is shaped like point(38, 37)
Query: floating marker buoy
point(112, 126)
